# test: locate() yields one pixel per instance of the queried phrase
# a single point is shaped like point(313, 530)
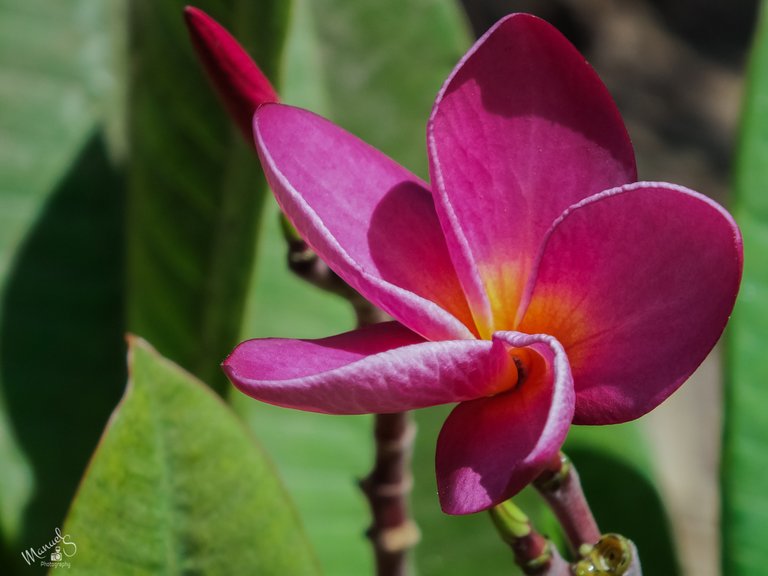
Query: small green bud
point(510, 521)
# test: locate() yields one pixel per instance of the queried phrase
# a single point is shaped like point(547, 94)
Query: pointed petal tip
point(226, 365)
point(192, 12)
point(200, 24)
point(238, 80)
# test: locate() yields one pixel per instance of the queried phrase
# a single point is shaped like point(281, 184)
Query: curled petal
point(638, 283)
point(379, 369)
point(370, 219)
point(490, 449)
point(240, 83)
point(522, 129)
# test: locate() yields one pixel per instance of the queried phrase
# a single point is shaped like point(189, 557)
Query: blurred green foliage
point(194, 190)
point(160, 497)
point(62, 365)
point(745, 459)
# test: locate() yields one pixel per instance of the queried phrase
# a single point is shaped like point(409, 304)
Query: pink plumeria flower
point(534, 283)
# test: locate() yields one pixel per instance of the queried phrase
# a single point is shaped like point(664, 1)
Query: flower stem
point(387, 487)
point(533, 552)
point(305, 264)
point(559, 485)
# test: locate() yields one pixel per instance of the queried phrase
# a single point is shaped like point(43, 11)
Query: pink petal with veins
point(369, 218)
point(380, 369)
point(637, 283)
point(240, 83)
point(522, 129)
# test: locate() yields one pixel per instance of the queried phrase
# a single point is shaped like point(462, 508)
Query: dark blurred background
point(674, 67)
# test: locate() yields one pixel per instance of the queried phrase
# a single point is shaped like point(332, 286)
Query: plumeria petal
point(370, 219)
point(637, 283)
point(489, 449)
point(381, 369)
point(240, 83)
point(522, 129)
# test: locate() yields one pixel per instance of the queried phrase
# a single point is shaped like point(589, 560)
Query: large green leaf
point(320, 457)
point(195, 189)
point(178, 485)
point(62, 343)
point(354, 63)
point(745, 459)
point(60, 257)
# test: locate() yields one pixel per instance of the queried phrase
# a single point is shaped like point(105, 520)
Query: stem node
point(559, 485)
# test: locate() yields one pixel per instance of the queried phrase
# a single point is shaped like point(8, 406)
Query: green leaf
point(61, 344)
point(744, 459)
point(320, 458)
point(195, 187)
point(177, 485)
